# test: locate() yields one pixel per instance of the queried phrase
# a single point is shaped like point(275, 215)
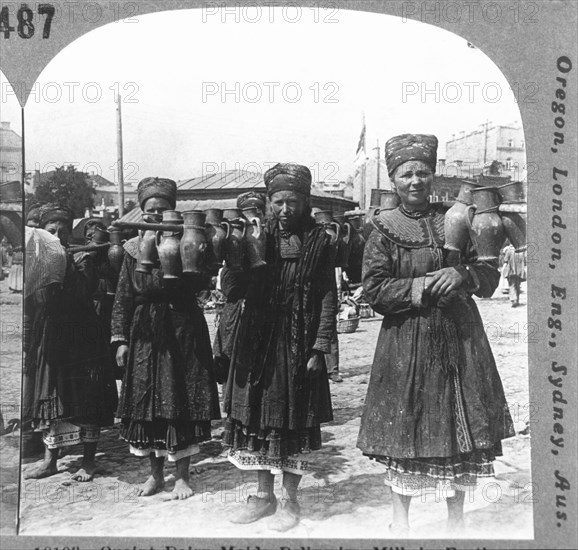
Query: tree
point(67, 187)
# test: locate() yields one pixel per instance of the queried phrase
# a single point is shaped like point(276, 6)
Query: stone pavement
point(344, 498)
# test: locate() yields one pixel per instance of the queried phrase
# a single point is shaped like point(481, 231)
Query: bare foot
point(46, 469)
point(151, 486)
point(181, 491)
point(86, 471)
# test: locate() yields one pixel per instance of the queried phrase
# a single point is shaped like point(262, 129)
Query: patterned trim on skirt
point(64, 434)
point(413, 476)
point(270, 449)
point(164, 435)
point(172, 456)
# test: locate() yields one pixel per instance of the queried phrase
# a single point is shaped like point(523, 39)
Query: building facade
point(498, 150)
point(10, 154)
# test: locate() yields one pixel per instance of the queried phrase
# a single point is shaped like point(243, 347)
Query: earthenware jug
point(115, 251)
point(515, 229)
point(512, 192)
point(168, 246)
point(216, 232)
point(345, 241)
point(455, 224)
point(234, 243)
point(485, 223)
point(148, 256)
point(255, 239)
point(232, 213)
point(193, 246)
point(332, 228)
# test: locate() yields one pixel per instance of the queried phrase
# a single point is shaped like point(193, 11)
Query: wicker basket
point(347, 325)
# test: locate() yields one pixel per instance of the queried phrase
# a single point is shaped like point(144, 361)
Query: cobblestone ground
point(10, 350)
point(344, 498)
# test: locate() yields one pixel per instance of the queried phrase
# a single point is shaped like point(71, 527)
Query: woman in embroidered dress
point(68, 392)
point(277, 393)
point(169, 394)
point(435, 412)
point(233, 286)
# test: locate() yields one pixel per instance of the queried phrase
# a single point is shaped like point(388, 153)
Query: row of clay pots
point(476, 215)
point(197, 242)
point(346, 236)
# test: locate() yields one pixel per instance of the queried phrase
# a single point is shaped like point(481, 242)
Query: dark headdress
point(400, 149)
point(93, 223)
point(288, 177)
point(162, 188)
point(252, 198)
point(33, 215)
point(55, 212)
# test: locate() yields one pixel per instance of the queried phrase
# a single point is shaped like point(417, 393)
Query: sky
point(204, 92)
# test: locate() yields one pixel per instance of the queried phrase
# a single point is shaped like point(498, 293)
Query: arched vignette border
point(525, 51)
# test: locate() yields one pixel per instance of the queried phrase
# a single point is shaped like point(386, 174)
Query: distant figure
point(515, 271)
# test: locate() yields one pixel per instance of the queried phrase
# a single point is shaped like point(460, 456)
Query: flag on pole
point(360, 155)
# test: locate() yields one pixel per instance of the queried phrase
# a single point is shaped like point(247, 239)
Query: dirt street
point(344, 498)
point(10, 361)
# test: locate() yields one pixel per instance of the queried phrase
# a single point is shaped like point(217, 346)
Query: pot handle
point(347, 228)
point(257, 223)
point(158, 238)
point(337, 228)
point(227, 227)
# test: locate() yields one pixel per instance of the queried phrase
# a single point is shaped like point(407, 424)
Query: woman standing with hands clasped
point(435, 412)
point(169, 393)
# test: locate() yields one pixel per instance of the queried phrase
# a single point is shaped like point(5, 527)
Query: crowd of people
point(435, 412)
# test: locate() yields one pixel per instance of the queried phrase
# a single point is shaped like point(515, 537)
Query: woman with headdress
point(233, 284)
point(277, 394)
point(68, 391)
point(435, 412)
point(169, 394)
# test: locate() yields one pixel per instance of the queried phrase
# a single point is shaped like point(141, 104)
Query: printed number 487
point(25, 16)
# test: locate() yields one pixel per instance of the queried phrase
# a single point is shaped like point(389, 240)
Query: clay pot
point(333, 229)
point(456, 231)
point(193, 245)
point(148, 256)
point(255, 239)
point(115, 250)
point(345, 241)
point(216, 233)
point(512, 192)
point(485, 223)
point(168, 246)
point(100, 236)
point(357, 247)
point(515, 229)
point(232, 213)
point(234, 243)
point(465, 193)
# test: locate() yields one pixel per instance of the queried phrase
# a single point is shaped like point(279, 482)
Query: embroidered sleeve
point(386, 293)
point(123, 307)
